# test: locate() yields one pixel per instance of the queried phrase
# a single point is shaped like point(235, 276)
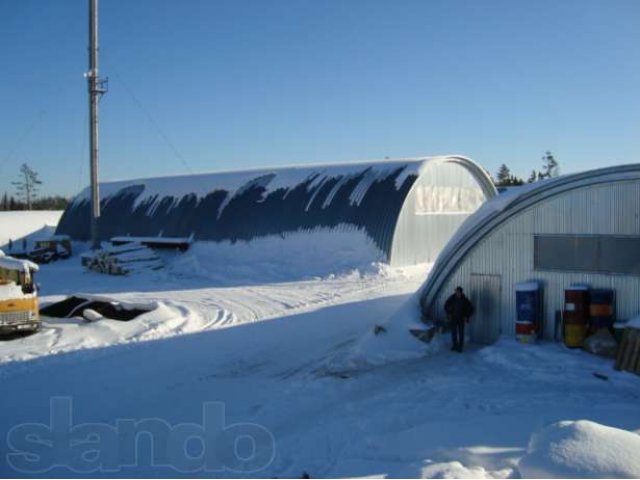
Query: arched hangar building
point(581, 228)
point(408, 208)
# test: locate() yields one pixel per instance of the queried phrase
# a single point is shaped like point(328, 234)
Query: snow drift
point(582, 449)
point(389, 341)
point(275, 258)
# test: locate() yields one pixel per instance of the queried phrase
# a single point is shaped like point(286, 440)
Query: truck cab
point(18, 295)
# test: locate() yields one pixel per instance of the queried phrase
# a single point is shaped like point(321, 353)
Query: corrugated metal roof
point(243, 205)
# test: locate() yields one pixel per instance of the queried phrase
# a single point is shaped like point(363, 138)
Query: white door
point(484, 293)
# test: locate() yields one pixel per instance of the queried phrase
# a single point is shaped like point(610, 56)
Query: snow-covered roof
point(271, 179)
point(17, 264)
point(527, 286)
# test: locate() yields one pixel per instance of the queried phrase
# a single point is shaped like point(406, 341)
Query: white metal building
point(581, 228)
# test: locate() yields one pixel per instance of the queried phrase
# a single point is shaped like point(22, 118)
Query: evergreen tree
point(51, 203)
point(533, 177)
point(504, 178)
point(515, 181)
point(27, 185)
point(503, 175)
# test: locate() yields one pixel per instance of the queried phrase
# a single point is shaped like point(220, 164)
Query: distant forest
point(9, 202)
point(550, 169)
point(27, 197)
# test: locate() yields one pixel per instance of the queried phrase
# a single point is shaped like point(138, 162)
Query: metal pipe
point(94, 93)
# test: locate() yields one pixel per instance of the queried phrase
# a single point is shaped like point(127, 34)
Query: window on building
point(587, 253)
point(440, 199)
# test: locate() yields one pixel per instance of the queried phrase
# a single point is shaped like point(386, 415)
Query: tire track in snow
point(199, 309)
point(276, 300)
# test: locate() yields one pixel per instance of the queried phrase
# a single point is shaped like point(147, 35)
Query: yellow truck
point(18, 295)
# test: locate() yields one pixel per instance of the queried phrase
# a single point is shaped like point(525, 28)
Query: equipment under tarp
point(76, 306)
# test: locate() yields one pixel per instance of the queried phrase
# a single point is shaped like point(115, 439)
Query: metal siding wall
point(420, 238)
point(508, 250)
point(484, 292)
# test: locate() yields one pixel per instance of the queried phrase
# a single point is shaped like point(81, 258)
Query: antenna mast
point(97, 87)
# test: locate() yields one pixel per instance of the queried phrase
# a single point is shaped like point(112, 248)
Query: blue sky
point(205, 85)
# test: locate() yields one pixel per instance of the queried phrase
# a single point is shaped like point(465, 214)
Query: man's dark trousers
point(457, 333)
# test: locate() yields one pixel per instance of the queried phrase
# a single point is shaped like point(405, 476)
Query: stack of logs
point(122, 259)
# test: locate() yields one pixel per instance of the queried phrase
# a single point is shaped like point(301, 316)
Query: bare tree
point(550, 166)
point(27, 185)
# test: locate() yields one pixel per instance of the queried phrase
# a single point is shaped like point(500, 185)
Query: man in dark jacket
point(459, 310)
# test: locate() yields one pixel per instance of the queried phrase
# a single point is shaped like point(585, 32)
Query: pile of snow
point(11, 291)
point(60, 335)
point(582, 449)
point(91, 315)
point(18, 224)
point(390, 341)
point(295, 256)
point(601, 343)
point(633, 322)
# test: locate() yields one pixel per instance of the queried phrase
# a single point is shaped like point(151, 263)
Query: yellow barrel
point(574, 334)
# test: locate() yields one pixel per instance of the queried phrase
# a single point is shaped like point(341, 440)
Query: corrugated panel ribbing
point(248, 205)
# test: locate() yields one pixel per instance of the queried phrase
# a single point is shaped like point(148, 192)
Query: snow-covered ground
point(276, 355)
point(189, 304)
point(16, 225)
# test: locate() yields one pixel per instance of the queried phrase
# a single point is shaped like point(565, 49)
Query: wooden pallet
point(628, 358)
